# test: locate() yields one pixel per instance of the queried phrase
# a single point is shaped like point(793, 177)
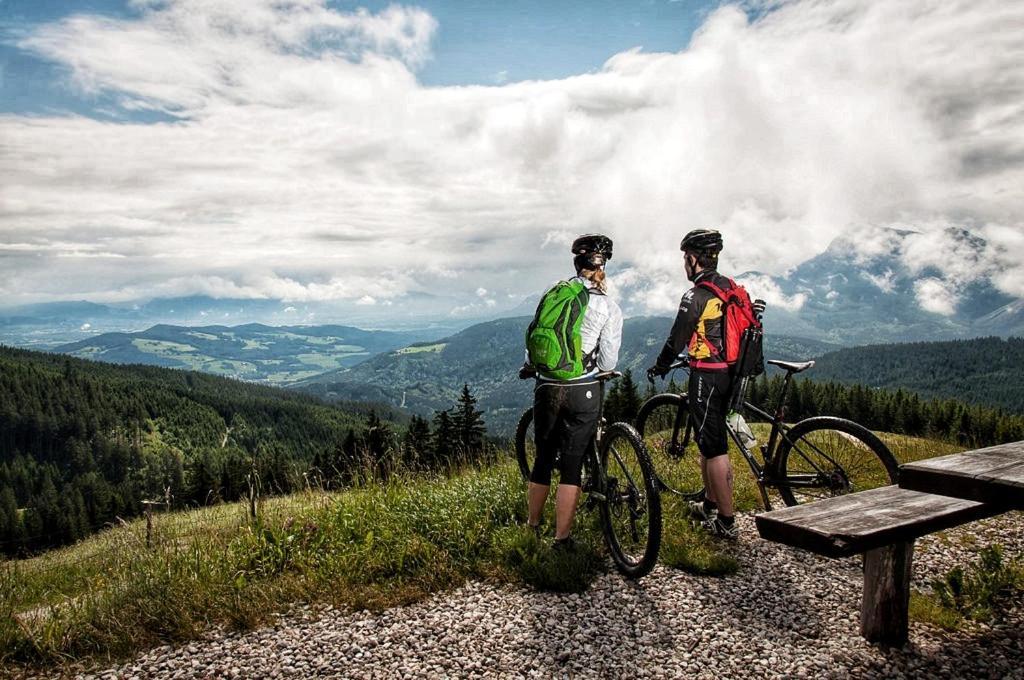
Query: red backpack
point(742, 333)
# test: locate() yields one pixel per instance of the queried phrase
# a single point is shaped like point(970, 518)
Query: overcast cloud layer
point(304, 161)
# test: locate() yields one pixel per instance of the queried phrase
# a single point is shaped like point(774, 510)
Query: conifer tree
point(794, 401)
point(416, 444)
point(9, 521)
point(613, 403)
point(629, 399)
point(444, 438)
point(204, 487)
point(380, 445)
point(468, 424)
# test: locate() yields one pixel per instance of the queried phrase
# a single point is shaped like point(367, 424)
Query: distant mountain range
point(853, 299)
point(251, 352)
point(428, 376)
point(419, 373)
point(840, 296)
point(50, 325)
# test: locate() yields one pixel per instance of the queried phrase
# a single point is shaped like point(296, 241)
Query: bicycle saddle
point(792, 366)
point(607, 375)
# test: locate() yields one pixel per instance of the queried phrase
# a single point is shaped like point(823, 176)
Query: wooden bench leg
point(884, 609)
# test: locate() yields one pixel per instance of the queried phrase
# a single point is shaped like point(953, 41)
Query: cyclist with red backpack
point(575, 333)
point(712, 317)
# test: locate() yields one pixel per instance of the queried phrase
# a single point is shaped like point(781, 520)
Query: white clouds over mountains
point(303, 159)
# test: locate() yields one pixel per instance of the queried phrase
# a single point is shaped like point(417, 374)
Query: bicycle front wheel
point(664, 424)
point(631, 508)
point(824, 457)
point(526, 446)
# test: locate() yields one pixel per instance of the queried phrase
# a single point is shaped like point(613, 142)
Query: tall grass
point(370, 547)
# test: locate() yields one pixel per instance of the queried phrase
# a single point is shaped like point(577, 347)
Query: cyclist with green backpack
point(575, 334)
point(712, 318)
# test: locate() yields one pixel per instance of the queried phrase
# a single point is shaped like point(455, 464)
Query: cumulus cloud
point(187, 56)
point(303, 160)
point(768, 290)
point(935, 295)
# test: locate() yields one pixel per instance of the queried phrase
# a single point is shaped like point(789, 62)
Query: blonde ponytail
point(595, 276)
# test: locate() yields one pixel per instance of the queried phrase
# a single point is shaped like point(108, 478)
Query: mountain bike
point(618, 479)
point(815, 458)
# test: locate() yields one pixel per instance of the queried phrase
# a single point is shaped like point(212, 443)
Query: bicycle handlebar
point(681, 362)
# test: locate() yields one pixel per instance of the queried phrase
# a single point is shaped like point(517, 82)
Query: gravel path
point(786, 614)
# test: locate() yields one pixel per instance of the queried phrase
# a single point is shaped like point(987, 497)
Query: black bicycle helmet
point(702, 241)
point(591, 251)
point(593, 243)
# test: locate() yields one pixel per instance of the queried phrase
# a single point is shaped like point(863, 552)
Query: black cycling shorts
point(564, 422)
point(708, 397)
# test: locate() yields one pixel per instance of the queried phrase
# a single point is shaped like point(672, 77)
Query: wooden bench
point(882, 524)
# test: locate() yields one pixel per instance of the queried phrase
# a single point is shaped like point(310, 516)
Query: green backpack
point(553, 340)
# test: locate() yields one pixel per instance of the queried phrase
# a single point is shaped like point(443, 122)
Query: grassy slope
point(374, 546)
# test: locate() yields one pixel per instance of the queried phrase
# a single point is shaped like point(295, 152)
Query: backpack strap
point(728, 296)
point(719, 352)
point(590, 358)
point(719, 293)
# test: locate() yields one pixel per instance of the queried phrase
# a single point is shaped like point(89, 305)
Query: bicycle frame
point(766, 474)
point(600, 471)
point(593, 457)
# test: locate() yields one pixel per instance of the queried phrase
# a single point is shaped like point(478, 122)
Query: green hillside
point(986, 371)
point(82, 443)
point(270, 354)
point(428, 376)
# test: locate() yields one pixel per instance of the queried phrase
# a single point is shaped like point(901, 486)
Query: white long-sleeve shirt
point(601, 328)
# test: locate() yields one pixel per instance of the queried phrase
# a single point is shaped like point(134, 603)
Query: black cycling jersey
point(698, 327)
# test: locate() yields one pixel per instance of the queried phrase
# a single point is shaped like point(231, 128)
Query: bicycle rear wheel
point(631, 508)
point(663, 422)
point(526, 447)
point(824, 457)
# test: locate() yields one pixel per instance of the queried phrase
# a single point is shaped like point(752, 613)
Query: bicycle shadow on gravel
point(780, 593)
point(598, 632)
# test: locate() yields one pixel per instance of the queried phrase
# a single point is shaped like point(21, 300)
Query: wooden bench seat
point(882, 524)
point(859, 522)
